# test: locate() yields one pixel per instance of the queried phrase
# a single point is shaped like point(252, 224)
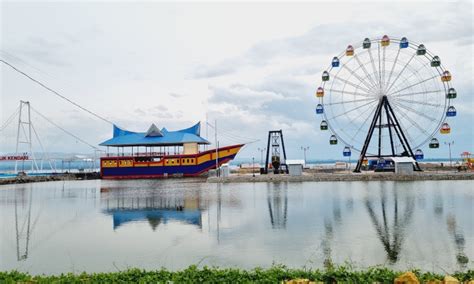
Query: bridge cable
point(55, 92)
point(64, 130)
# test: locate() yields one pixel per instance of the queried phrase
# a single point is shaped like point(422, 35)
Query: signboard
point(20, 157)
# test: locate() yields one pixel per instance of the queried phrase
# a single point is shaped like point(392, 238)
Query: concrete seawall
point(344, 177)
point(56, 177)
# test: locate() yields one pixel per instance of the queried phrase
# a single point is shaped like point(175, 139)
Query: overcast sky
point(251, 67)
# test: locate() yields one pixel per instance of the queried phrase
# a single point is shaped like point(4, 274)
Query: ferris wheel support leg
point(404, 140)
point(369, 137)
point(389, 129)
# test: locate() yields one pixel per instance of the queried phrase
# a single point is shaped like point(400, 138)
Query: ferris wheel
point(393, 89)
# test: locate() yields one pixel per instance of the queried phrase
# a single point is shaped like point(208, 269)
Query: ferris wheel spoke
point(418, 102)
point(351, 93)
point(357, 76)
point(414, 123)
point(415, 111)
point(352, 101)
point(393, 67)
point(374, 84)
point(373, 67)
point(363, 124)
point(417, 83)
point(417, 93)
point(350, 83)
point(380, 68)
point(399, 74)
point(351, 110)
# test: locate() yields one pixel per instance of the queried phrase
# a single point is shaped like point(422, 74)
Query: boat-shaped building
point(161, 153)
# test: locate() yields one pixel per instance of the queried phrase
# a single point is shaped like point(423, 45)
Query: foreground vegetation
point(193, 274)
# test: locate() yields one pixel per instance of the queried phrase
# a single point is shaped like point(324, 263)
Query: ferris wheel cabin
point(436, 61)
point(319, 109)
point(451, 111)
point(434, 143)
point(445, 128)
point(366, 43)
point(325, 76)
point(419, 154)
point(421, 50)
point(451, 93)
point(320, 92)
point(446, 77)
point(349, 50)
point(404, 42)
point(385, 41)
point(335, 62)
point(324, 125)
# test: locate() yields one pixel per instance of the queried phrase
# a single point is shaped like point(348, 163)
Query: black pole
point(389, 129)
point(405, 140)
point(283, 145)
point(380, 129)
point(368, 138)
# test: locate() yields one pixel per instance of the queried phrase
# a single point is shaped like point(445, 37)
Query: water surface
point(76, 226)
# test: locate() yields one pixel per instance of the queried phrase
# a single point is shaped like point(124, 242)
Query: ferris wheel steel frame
point(376, 87)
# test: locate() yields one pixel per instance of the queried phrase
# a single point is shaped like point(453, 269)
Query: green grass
point(193, 274)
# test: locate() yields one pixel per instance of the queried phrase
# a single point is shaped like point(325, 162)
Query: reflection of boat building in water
point(166, 153)
point(151, 207)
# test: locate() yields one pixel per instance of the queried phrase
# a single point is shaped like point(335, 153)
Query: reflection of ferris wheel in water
point(392, 89)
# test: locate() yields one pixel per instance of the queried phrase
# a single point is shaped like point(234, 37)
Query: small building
point(403, 165)
point(295, 167)
point(225, 170)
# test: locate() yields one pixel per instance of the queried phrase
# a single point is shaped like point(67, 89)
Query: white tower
point(23, 135)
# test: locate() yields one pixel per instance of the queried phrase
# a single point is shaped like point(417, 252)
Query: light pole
point(304, 152)
point(449, 146)
point(261, 154)
point(253, 166)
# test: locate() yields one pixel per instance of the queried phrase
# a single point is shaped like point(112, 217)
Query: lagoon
point(97, 225)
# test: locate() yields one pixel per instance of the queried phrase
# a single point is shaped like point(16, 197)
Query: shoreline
point(46, 178)
point(335, 177)
point(248, 178)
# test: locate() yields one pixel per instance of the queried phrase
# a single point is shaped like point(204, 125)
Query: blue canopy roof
point(155, 137)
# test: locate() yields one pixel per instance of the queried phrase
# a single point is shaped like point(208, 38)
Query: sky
point(250, 67)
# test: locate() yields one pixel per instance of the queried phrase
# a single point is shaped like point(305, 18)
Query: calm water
point(98, 225)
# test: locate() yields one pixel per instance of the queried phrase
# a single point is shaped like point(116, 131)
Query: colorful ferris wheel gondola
point(320, 92)
point(323, 125)
point(419, 154)
point(325, 76)
point(434, 143)
point(445, 128)
point(451, 93)
point(436, 61)
point(366, 43)
point(346, 152)
point(319, 109)
point(333, 140)
point(451, 111)
point(446, 77)
point(404, 42)
point(385, 41)
point(421, 50)
point(349, 50)
point(335, 62)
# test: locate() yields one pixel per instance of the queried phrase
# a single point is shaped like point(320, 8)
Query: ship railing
point(140, 154)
